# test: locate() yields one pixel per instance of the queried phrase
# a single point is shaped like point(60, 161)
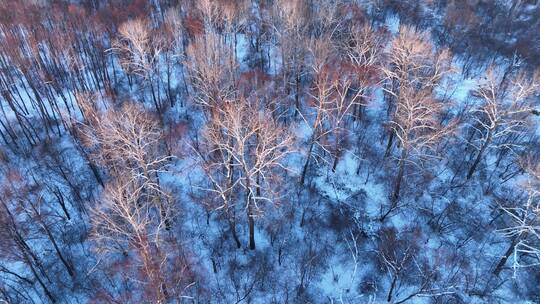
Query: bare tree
point(140, 49)
point(399, 253)
point(174, 40)
point(234, 14)
point(524, 226)
point(336, 90)
point(502, 112)
point(124, 140)
point(250, 146)
point(290, 25)
point(212, 14)
point(213, 68)
point(365, 52)
point(15, 235)
point(415, 71)
point(396, 255)
point(127, 218)
point(135, 209)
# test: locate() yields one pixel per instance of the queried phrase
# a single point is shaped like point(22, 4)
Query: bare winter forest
point(269, 151)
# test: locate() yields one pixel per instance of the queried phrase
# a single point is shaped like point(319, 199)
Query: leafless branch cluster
point(503, 111)
point(414, 71)
point(134, 209)
point(138, 47)
point(245, 148)
point(524, 230)
point(212, 66)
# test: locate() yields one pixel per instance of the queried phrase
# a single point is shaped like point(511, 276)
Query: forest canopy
point(269, 151)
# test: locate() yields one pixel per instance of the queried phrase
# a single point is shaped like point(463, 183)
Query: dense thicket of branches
point(269, 151)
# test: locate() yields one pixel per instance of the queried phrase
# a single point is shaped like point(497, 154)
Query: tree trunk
point(397, 186)
point(154, 98)
point(505, 257)
point(28, 255)
point(249, 213)
point(391, 291)
point(480, 155)
point(152, 269)
point(399, 178)
point(57, 249)
point(297, 94)
point(232, 226)
point(169, 89)
point(389, 145)
point(251, 223)
point(306, 164)
point(62, 202)
point(334, 165)
point(40, 281)
point(337, 152)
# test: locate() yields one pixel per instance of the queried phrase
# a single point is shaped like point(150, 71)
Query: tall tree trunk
point(399, 178)
point(334, 165)
point(154, 98)
point(57, 249)
point(61, 201)
point(40, 281)
point(152, 270)
point(397, 184)
point(505, 257)
point(486, 143)
point(169, 88)
point(392, 286)
point(249, 212)
point(306, 164)
point(232, 226)
point(29, 257)
point(389, 145)
point(297, 94)
point(251, 223)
